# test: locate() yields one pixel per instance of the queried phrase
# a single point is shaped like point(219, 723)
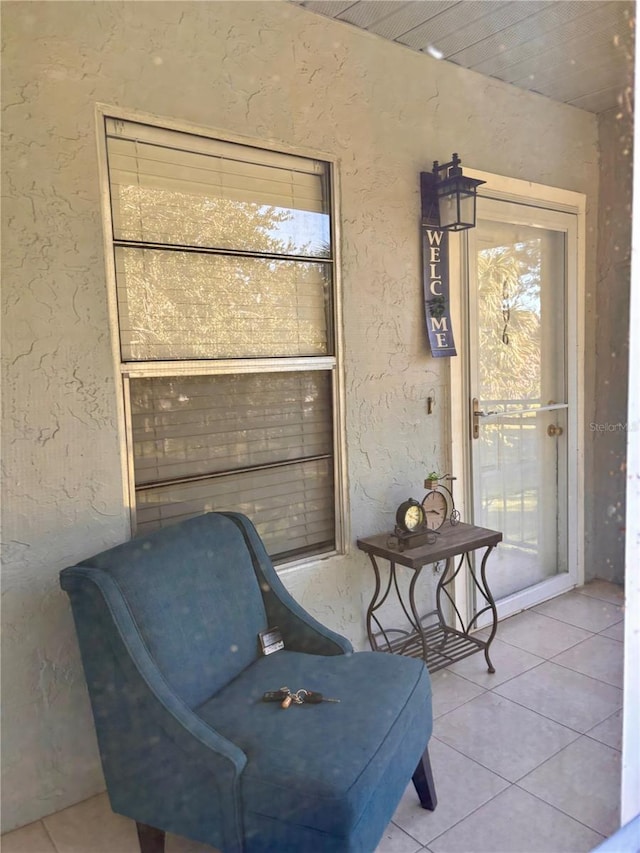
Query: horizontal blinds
point(182, 189)
point(253, 443)
point(223, 251)
point(183, 305)
point(292, 507)
point(191, 426)
point(179, 139)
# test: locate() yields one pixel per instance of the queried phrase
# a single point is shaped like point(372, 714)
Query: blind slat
point(177, 196)
point(291, 509)
point(242, 422)
point(269, 194)
point(140, 163)
point(122, 129)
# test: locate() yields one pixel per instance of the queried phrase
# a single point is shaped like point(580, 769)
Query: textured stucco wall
point(271, 71)
point(606, 433)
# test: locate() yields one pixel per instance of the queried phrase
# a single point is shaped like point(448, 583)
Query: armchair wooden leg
point(423, 781)
point(151, 839)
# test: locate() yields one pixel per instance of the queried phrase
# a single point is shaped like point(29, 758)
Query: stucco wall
point(607, 428)
point(273, 72)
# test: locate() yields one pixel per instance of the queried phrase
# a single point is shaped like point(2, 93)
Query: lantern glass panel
point(457, 211)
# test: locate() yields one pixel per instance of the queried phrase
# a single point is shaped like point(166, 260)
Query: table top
point(452, 540)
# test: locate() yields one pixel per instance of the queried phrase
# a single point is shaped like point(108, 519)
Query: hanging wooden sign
point(435, 265)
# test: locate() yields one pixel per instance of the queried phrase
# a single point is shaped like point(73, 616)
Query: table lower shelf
point(444, 645)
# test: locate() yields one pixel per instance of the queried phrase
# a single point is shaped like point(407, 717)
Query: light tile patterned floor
point(525, 760)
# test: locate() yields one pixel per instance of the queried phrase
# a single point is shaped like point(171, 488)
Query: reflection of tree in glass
point(509, 310)
point(196, 305)
point(157, 215)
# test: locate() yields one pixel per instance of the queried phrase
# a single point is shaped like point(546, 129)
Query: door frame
point(517, 191)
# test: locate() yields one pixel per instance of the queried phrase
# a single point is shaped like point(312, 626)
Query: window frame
point(124, 371)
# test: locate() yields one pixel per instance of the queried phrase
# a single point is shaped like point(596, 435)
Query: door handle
point(553, 430)
point(476, 414)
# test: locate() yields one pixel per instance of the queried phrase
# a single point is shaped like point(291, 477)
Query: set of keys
point(300, 697)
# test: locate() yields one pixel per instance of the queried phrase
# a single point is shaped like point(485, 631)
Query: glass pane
point(520, 470)
point(182, 305)
point(167, 195)
point(292, 506)
point(193, 425)
point(522, 477)
point(521, 286)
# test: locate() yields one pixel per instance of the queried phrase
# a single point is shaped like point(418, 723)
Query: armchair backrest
point(196, 601)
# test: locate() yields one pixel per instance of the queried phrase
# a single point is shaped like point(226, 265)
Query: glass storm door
point(520, 419)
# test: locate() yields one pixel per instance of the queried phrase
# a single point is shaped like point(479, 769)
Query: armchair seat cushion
point(319, 766)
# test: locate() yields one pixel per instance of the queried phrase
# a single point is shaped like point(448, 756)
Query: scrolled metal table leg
point(490, 601)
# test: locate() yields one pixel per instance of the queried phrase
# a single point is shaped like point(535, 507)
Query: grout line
point(526, 707)
point(532, 711)
point(504, 790)
point(479, 763)
point(551, 719)
point(580, 591)
point(572, 624)
point(507, 680)
point(582, 628)
point(608, 628)
point(586, 674)
point(601, 742)
point(406, 831)
point(589, 735)
point(466, 701)
point(472, 812)
point(537, 654)
point(561, 810)
point(48, 834)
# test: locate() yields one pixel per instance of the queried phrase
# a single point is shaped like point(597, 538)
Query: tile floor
point(525, 760)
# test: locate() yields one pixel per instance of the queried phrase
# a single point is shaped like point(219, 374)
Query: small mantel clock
point(438, 503)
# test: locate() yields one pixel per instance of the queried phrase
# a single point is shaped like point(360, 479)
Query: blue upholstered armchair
point(168, 628)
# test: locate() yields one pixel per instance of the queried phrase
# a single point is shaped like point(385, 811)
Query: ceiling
point(578, 52)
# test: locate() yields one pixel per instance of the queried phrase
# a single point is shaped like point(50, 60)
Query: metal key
point(300, 697)
point(313, 698)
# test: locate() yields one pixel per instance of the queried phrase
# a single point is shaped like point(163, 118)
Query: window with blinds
point(223, 267)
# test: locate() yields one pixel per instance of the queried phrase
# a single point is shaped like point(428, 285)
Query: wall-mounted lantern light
point(448, 198)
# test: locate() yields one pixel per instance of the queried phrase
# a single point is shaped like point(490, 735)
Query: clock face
point(435, 509)
point(410, 516)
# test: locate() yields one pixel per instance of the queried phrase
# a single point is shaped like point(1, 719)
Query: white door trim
point(550, 198)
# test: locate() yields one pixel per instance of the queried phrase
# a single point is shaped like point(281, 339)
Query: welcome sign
point(435, 264)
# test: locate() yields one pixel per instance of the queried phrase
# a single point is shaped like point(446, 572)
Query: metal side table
point(438, 644)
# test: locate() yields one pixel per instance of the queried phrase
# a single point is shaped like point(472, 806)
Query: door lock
point(476, 414)
point(553, 430)
point(475, 419)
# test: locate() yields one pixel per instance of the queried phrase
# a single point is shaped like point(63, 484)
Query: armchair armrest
point(152, 695)
point(300, 631)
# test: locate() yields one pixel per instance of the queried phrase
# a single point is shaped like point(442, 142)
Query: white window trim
point(123, 371)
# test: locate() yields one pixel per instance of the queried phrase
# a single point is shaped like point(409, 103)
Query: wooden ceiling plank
point(409, 16)
point(559, 48)
point(328, 8)
point(365, 13)
point(598, 102)
point(568, 89)
point(447, 23)
point(507, 63)
point(573, 65)
point(486, 34)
